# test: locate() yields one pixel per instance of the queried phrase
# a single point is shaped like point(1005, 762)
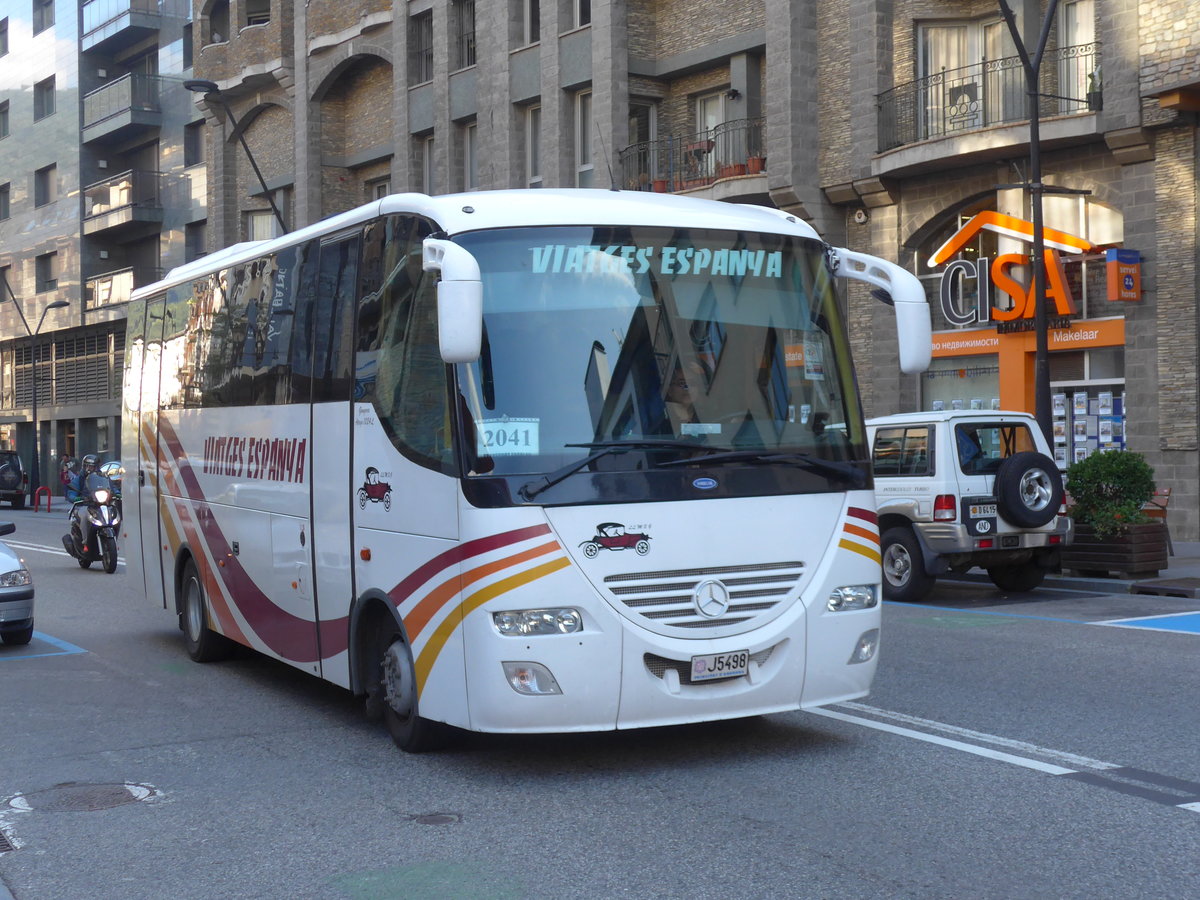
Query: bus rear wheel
point(398, 677)
point(203, 644)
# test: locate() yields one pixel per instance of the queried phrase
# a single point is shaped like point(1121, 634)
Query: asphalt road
point(1013, 747)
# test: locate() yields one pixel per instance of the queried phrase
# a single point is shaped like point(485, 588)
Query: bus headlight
point(526, 622)
point(852, 596)
point(530, 678)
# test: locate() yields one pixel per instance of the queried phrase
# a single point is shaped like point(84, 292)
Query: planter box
point(1138, 553)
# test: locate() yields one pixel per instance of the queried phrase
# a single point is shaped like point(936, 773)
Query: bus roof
point(478, 210)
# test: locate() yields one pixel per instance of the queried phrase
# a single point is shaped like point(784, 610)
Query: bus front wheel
point(398, 677)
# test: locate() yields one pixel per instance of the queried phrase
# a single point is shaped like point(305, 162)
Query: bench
point(1156, 508)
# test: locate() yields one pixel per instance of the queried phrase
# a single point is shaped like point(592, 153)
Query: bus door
point(143, 436)
point(328, 274)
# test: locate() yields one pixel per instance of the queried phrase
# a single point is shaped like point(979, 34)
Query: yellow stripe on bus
point(442, 633)
point(868, 552)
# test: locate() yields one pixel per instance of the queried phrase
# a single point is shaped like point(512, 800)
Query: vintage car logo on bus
point(374, 490)
point(711, 599)
point(613, 536)
point(704, 484)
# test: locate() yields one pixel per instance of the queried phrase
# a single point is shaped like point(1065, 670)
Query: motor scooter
point(94, 519)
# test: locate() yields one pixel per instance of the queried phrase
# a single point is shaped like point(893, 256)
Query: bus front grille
point(667, 598)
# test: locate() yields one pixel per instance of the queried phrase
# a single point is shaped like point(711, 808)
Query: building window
point(5, 208)
point(218, 22)
point(378, 188)
point(3, 118)
point(470, 134)
point(258, 12)
point(46, 272)
point(579, 13)
point(43, 98)
point(4, 36)
point(462, 27)
point(187, 45)
point(420, 42)
point(531, 21)
point(425, 152)
point(261, 225)
point(193, 144)
point(45, 185)
point(958, 90)
point(533, 146)
point(194, 240)
point(584, 170)
point(43, 15)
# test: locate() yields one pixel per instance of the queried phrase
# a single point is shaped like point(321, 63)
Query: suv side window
point(902, 451)
point(983, 446)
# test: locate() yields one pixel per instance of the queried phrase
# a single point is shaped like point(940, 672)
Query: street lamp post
point(35, 466)
point(212, 91)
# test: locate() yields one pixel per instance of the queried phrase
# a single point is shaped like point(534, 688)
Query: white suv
point(965, 488)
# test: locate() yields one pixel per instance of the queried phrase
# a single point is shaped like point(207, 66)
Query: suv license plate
point(720, 665)
point(982, 510)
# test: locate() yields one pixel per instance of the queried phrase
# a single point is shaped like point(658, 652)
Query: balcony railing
point(115, 287)
point(129, 93)
point(106, 20)
point(681, 162)
point(133, 196)
point(990, 92)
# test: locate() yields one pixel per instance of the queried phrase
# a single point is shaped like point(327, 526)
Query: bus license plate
point(720, 665)
point(982, 510)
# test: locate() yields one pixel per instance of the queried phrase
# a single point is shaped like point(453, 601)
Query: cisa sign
point(994, 277)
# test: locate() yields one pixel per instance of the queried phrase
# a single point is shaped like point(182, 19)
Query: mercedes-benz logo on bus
point(711, 599)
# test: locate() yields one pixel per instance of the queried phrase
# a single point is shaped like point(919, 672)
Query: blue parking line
point(1188, 623)
point(64, 648)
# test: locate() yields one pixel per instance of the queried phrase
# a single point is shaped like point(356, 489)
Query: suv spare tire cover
point(10, 477)
point(1029, 489)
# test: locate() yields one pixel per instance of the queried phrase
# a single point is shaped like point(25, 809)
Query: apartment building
point(900, 127)
point(102, 185)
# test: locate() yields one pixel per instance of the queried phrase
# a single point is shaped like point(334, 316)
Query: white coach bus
point(518, 461)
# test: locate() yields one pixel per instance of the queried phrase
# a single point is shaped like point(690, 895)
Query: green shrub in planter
point(1109, 490)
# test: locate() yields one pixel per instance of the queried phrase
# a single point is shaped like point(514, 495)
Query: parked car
point(958, 489)
point(16, 594)
point(14, 482)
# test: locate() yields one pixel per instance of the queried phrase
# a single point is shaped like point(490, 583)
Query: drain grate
point(5, 844)
point(1168, 587)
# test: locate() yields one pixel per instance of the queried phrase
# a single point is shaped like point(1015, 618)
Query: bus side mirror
point(459, 299)
point(901, 290)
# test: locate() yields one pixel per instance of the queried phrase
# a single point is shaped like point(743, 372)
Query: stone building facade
point(888, 124)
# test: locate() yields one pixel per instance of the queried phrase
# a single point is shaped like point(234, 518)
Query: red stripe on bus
point(860, 513)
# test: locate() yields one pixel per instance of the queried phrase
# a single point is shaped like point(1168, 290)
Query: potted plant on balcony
point(756, 164)
point(1107, 491)
point(1095, 94)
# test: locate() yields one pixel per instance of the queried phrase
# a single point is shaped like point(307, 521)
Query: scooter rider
point(77, 490)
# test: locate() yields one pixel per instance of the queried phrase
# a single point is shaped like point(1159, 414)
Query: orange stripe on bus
point(862, 532)
point(420, 615)
point(442, 634)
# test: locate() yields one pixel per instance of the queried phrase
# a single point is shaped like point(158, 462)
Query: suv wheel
point(1029, 489)
point(1017, 578)
point(904, 575)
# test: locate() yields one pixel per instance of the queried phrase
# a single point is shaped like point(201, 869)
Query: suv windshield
point(656, 343)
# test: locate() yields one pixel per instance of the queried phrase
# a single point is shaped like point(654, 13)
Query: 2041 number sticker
point(507, 437)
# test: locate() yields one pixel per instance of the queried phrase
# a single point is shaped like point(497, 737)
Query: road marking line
point(1070, 759)
point(974, 749)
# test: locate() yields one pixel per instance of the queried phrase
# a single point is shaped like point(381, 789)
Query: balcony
point(684, 162)
point(986, 94)
point(114, 288)
point(122, 107)
point(130, 199)
point(112, 25)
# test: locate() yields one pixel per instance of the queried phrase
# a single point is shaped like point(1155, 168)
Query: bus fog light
point(852, 596)
point(530, 678)
point(864, 650)
point(526, 622)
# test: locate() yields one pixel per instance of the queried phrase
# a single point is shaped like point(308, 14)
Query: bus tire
point(904, 576)
point(203, 644)
point(398, 677)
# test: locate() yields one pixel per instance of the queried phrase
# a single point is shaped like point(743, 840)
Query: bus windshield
point(674, 342)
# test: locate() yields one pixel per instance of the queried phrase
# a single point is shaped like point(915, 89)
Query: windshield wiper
point(842, 471)
point(531, 489)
